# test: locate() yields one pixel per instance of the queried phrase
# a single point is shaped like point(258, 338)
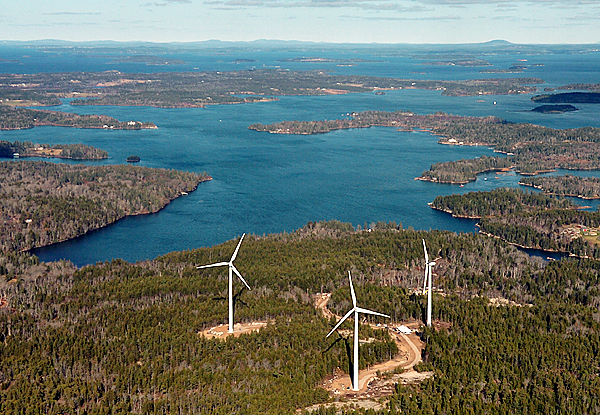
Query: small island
point(133, 159)
point(555, 109)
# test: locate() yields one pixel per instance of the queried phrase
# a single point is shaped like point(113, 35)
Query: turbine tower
point(428, 278)
point(232, 269)
point(355, 310)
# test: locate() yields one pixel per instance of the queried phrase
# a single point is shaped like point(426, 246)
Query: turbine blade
point(237, 248)
point(218, 264)
point(425, 280)
point(340, 322)
point(375, 313)
point(425, 249)
point(239, 275)
point(352, 289)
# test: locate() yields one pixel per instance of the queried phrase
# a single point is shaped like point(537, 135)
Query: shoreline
point(58, 156)
point(501, 169)
point(448, 211)
point(145, 212)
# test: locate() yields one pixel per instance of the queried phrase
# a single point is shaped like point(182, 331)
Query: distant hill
point(497, 42)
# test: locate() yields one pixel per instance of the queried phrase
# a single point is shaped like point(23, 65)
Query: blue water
point(265, 183)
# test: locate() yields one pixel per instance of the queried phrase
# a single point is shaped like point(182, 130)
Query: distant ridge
point(497, 42)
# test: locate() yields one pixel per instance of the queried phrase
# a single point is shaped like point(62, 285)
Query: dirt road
point(410, 347)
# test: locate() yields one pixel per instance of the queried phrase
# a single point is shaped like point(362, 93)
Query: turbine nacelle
point(230, 263)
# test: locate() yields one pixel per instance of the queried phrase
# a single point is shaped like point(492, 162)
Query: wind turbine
point(428, 278)
point(232, 269)
point(355, 310)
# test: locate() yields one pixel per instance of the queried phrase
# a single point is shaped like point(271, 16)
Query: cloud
point(515, 19)
point(72, 14)
point(584, 18)
point(407, 19)
point(384, 4)
point(512, 2)
point(358, 4)
point(165, 3)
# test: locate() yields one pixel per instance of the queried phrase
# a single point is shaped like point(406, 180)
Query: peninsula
point(12, 118)
point(568, 97)
point(44, 203)
point(20, 149)
point(529, 220)
point(567, 185)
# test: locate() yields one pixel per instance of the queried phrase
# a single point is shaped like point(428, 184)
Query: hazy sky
point(364, 21)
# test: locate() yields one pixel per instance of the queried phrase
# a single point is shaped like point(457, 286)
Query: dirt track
point(410, 347)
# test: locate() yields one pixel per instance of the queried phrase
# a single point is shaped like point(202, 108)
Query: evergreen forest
point(118, 338)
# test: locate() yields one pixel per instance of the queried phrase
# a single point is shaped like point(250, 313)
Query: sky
point(338, 21)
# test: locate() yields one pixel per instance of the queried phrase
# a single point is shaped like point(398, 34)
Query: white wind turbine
point(428, 278)
point(355, 310)
point(232, 269)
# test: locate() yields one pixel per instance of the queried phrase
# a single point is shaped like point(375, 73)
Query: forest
point(44, 203)
point(123, 338)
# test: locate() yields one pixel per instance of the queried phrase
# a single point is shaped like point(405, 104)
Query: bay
point(265, 183)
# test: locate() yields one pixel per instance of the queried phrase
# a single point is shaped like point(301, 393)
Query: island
point(133, 159)
point(44, 203)
point(326, 60)
point(554, 109)
point(512, 69)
